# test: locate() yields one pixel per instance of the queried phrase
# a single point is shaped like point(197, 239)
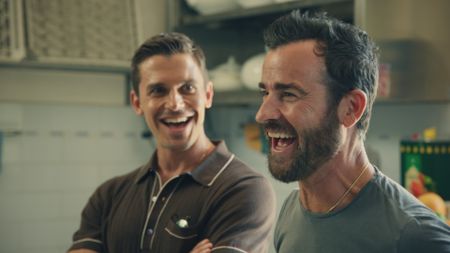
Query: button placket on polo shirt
point(157, 206)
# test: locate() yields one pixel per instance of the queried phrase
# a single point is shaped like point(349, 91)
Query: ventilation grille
point(11, 32)
point(87, 31)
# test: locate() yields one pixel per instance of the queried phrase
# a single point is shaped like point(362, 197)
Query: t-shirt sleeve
point(425, 234)
point(89, 234)
point(243, 218)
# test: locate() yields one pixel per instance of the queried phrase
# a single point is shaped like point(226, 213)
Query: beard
point(315, 147)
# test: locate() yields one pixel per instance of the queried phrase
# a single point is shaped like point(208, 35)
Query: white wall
point(151, 16)
point(25, 85)
point(50, 168)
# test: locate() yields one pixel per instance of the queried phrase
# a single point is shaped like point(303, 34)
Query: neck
point(335, 184)
point(173, 162)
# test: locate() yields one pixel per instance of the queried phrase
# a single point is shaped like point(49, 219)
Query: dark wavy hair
point(350, 55)
point(166, 44)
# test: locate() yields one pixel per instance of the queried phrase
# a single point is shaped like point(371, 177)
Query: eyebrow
point(285, 86)
point(187, 81)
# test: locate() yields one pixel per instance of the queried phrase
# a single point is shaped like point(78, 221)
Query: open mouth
point(281, 141)
point(176, 123)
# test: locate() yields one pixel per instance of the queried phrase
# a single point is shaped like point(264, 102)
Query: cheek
point(300, 119)
point(149, 108)
point(196, 102)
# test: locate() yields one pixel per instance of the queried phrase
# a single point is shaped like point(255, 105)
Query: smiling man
point(319, 81)
point(192, 188)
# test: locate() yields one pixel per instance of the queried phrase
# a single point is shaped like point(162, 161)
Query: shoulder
point(397, 197)
point(289, 204)
point(239, 168)
point(286, 218)
point(239, 174)
point(425, 233)
point(239, 183)
point(419, 227)
point(289, 210)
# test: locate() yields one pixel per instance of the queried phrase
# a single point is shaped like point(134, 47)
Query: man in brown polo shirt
point(192, 188)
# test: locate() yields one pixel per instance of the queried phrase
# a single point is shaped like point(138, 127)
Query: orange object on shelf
point(435, 203)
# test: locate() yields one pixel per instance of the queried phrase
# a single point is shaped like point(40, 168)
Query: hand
point(203, 246)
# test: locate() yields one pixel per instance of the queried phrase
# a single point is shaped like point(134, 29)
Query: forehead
point(296, 62)
point(161, 68)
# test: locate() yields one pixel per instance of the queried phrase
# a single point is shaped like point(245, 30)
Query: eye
point(188, 88)
point(263, 92)
point(287, 95)
point(156, 90)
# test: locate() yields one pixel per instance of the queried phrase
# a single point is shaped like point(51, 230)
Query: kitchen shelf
point(338, 8)
point(239, 33)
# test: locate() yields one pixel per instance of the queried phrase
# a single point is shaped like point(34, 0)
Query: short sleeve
point(243, 218)
point(89, 234)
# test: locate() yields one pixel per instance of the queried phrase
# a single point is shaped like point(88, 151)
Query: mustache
point(276, 125)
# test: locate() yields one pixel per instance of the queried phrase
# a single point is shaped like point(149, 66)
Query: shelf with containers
point(412, 57)
point(237, 33)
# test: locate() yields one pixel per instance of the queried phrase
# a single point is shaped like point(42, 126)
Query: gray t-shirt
point(383, 218)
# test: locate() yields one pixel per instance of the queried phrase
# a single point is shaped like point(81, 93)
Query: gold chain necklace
point(347, 191)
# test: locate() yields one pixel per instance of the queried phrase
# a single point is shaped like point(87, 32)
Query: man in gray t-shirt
point(384, 217)
point(319, 81)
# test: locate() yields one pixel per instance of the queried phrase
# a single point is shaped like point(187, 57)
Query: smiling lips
point(178, 123)
point(280, 141)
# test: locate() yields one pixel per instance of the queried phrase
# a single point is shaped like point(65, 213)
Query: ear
point(209, 94)
point(352, 107)
point(134, 100)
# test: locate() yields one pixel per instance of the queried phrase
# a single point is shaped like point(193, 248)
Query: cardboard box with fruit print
point(425, 172)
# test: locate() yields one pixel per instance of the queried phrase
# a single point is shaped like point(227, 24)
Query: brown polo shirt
point(222, 200)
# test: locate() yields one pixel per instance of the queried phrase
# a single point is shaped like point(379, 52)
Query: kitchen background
point(65, 122)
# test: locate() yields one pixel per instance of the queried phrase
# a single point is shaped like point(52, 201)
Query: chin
point(282, 169)
point(176, 145)
point(293, 169)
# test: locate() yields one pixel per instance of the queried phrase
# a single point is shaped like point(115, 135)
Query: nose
point(268, 110)
point(175, 101)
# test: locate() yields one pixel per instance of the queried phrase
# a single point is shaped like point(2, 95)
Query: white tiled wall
point(25, 85)
point(53, 165)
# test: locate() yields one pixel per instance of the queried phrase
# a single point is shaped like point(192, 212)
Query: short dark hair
point(350, 55)
point(166, 44)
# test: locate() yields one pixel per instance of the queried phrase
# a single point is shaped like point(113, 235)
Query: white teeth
point(280, 135)
point(176, 120)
